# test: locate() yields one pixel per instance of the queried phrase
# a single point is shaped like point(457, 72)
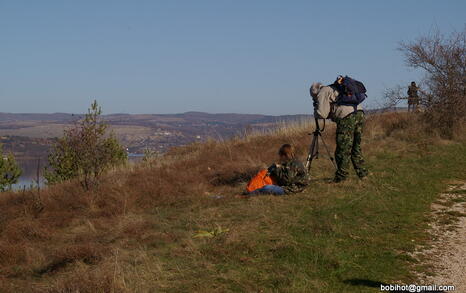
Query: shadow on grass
point(319, 180)
point(376, 284)
point(365, 283)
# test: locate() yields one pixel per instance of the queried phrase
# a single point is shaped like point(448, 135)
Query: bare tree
point(393, 96)
point(443, 94)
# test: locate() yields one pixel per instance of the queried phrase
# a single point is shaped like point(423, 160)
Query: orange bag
point(260, 180)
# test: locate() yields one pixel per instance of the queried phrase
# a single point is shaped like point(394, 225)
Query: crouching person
point(350, 123)
point(286, 177)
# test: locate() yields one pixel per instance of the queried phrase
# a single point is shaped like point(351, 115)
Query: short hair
point(315, 89)
point(286, 151)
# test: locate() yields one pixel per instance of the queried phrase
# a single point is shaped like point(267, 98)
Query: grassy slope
point(136, 233)
point(333, 238)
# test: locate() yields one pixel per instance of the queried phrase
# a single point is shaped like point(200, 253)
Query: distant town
point(30, 136)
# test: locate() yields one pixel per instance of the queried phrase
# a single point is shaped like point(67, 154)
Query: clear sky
point(172, 56)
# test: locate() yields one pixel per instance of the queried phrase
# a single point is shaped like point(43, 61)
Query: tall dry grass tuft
point(400, 125)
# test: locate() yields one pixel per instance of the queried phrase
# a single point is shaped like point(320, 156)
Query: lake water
point(30, 171)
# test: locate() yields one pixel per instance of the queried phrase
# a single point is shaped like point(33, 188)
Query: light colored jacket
point(326, 96)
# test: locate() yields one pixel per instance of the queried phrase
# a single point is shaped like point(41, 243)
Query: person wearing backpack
point(288, 176)
point(341, 102)
point(413, 97)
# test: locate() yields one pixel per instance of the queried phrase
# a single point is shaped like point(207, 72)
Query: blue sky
point(208, 55)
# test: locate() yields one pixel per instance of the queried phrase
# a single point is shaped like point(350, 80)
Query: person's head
point(286, 152)
point(315, 89)
point(413, 83)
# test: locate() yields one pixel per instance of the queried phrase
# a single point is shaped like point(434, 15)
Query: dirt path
point(446, 257)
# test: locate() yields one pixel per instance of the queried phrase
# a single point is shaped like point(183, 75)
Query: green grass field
point(332, 238)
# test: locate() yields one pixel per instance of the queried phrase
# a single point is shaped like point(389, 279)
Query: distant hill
point(11, 117)
point(30, 134)
point(136, 131)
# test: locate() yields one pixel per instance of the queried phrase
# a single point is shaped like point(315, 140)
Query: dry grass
point(68, 240)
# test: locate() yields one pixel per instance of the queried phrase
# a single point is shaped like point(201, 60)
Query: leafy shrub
point(85, 151)
point(9, 171)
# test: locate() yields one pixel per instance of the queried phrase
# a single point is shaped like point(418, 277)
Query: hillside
point(176, 223)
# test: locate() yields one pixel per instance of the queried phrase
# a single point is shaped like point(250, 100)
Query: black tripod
point(314, 148)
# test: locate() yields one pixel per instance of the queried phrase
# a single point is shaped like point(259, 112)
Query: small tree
point(443, 59)
point(85, 151)
point(9, 171)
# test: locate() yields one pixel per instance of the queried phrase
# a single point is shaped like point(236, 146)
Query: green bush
point(85, 151)
point(9, 171)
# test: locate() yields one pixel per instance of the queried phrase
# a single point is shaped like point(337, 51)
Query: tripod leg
point(316, 152)
point(313, 151)
point(328, 152)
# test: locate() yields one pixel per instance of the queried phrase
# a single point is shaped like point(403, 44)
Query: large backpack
point(351, 92)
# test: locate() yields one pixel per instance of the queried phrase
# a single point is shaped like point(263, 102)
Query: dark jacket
point(290, 175)
point(412, 91)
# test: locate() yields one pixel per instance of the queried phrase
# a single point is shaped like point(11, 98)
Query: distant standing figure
point(413, 98)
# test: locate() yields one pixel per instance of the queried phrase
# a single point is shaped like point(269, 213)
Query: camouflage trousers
point(348, 139)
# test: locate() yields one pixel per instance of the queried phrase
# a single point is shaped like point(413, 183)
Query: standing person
point(289, 174)
point(413, 98)
point(350, 123)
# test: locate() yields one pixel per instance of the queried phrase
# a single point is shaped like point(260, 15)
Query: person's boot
point(366, 176)
point(338, 179)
